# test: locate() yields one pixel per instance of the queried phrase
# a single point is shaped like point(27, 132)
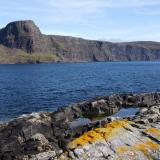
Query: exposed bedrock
point(46, 136)
point(26, 36)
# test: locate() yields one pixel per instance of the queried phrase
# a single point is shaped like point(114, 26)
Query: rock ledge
point(47, 136)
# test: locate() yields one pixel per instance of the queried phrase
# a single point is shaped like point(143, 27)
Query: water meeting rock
point(47, 136)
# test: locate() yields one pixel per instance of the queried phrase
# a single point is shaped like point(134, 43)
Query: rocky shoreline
point(47, 136)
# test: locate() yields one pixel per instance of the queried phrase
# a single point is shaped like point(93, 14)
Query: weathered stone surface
point(50, 136)
point(121, 139)
point(26, 35)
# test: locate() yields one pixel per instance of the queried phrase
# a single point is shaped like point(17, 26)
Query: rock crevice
point(46, 136)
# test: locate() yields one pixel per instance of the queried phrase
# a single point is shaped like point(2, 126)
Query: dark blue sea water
point(44, 87)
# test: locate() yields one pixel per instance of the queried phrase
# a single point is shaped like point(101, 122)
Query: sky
point(111, 20)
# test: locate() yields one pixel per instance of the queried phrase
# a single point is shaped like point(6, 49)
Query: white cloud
point(147, 11)
point(91, 19)
point(96, 4)
point(131, 3)
point(73, 5)
point(63, 9)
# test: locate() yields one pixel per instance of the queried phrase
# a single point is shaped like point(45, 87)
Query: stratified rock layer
point(25, 35)
point(46, 136)
point(120, 139)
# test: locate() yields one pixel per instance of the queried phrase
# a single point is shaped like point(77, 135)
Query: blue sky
point(113, 20)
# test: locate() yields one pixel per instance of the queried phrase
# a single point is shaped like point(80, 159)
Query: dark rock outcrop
point(26, 35)
point(23, 35)
point(46, 136)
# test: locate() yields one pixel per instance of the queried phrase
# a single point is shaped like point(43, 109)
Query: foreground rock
point(120, 139)
point(47, 136)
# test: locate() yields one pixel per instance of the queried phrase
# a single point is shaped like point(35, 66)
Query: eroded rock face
point(23, 35)
point(50, 135)
point(26, 35)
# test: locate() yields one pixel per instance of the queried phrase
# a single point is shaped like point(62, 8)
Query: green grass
point(22, 57)
point(13, 56)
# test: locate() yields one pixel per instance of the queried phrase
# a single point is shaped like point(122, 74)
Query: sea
point(28, 88)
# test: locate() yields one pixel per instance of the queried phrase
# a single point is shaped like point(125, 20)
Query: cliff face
point(22, 35)
point(25, 35)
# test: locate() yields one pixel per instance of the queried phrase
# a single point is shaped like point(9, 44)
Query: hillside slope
point(26, 37)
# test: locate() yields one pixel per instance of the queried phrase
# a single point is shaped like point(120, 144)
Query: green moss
point(13, 55)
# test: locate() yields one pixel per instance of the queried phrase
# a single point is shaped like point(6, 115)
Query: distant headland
point(23, 42)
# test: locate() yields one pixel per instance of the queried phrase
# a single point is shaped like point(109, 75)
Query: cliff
point(26, 36)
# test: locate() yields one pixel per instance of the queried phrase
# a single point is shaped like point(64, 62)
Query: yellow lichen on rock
point(122, 149)
point(118, 124)
point(112, 128)
point(98, 134)
point(153, 146)
point(142, 148)
point(86, 138)
point(145, 148)
point(154, 131)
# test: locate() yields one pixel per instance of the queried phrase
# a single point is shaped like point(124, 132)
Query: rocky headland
point(23, 42)
point(60, 136)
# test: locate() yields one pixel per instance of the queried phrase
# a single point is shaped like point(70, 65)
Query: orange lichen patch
point(86, 138)
point(142, 147)
point(122, 149)
point(118, 124)
point(153, 146)
point(125, 150)
point(153, 131)
point(112, 128)
point(98, 134)
point(148, 145)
